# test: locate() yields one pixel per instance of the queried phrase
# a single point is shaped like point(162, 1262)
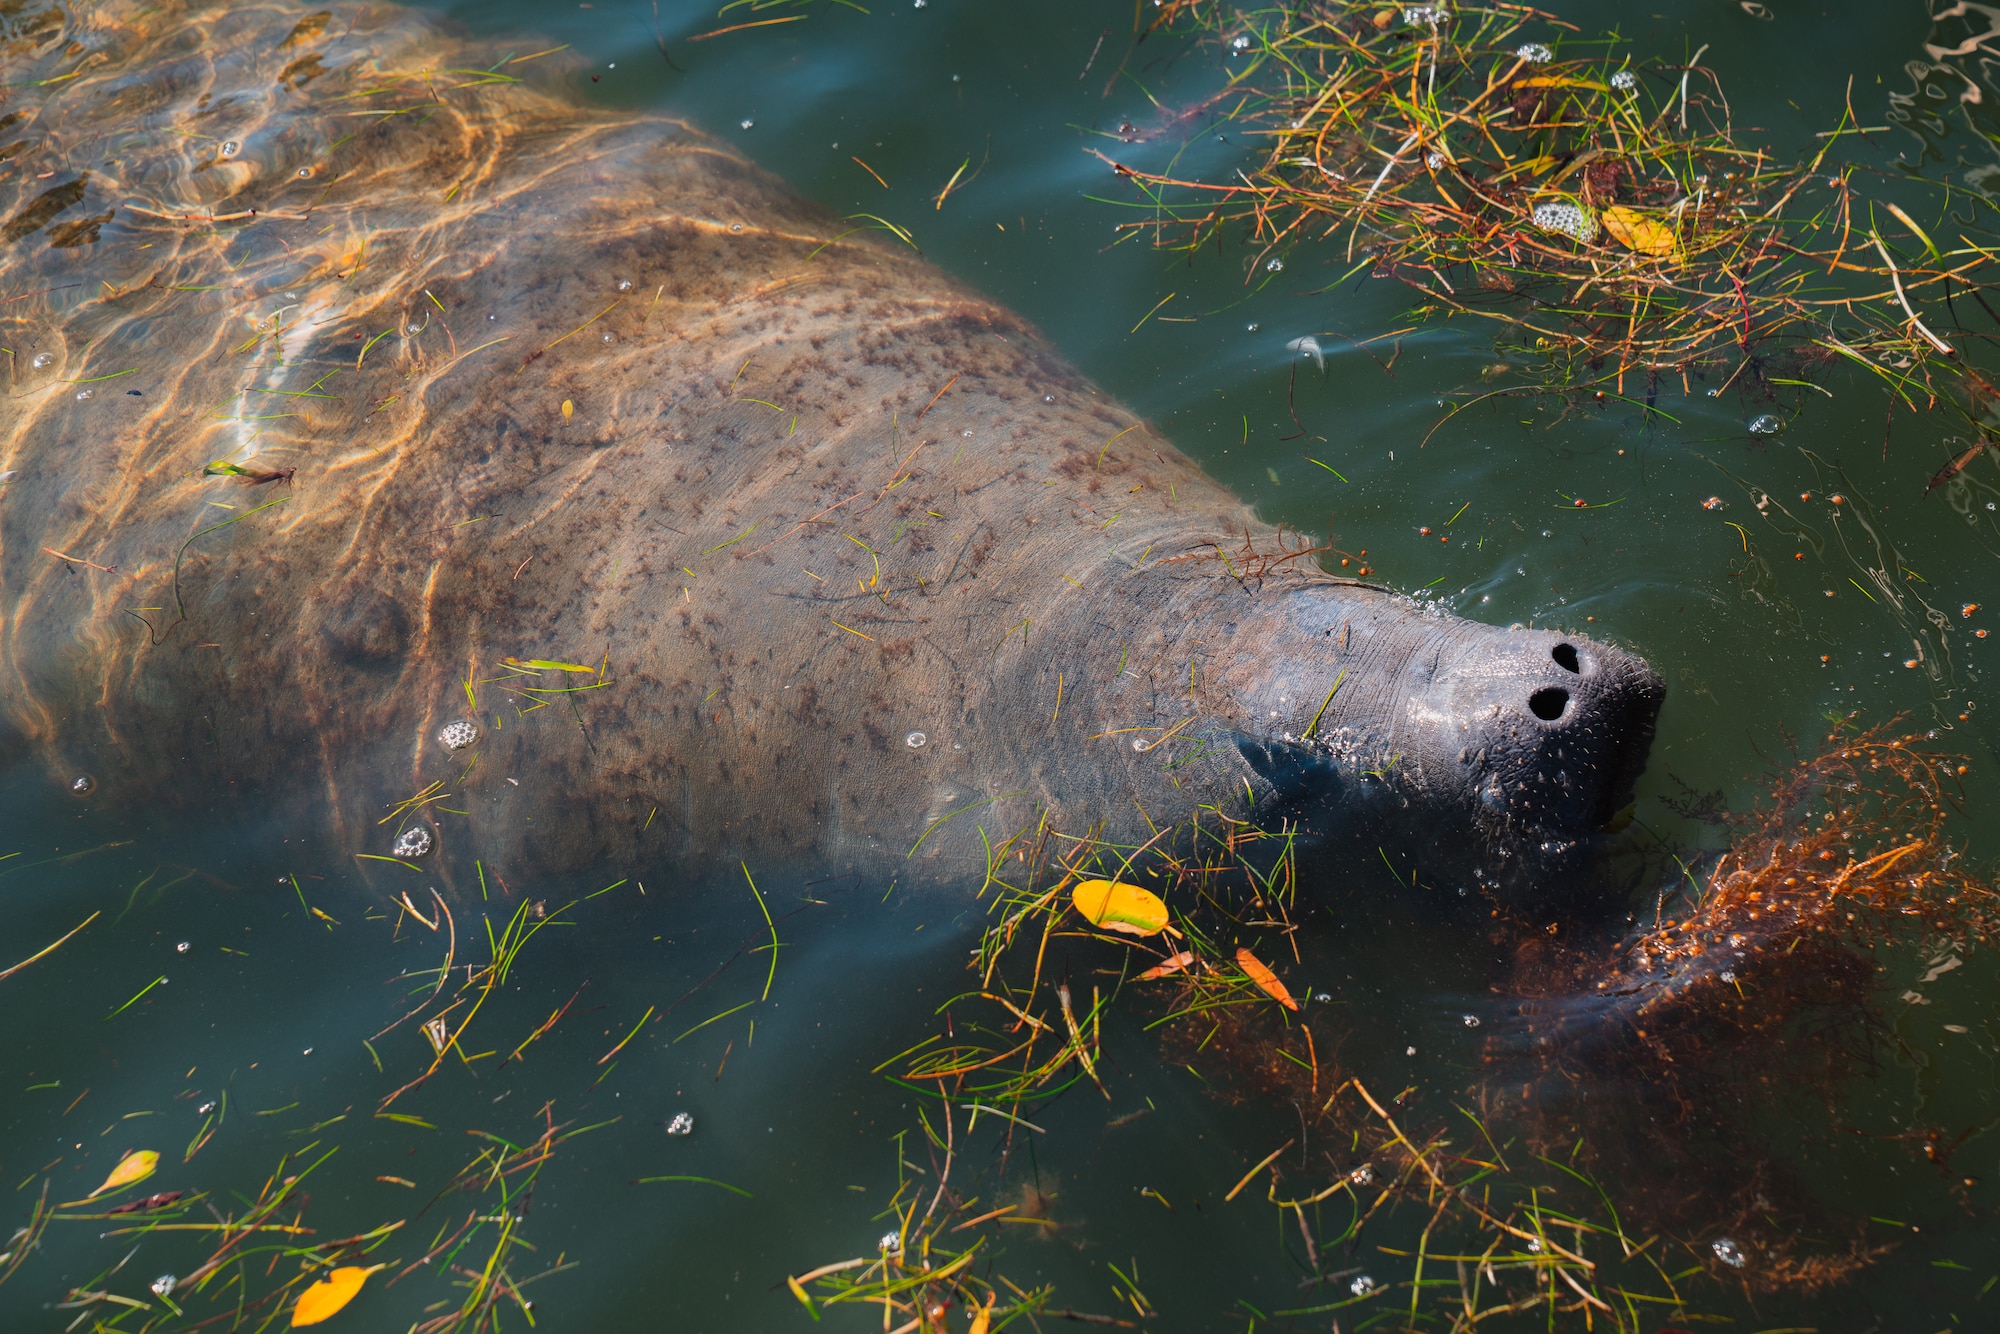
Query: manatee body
point(858, 565)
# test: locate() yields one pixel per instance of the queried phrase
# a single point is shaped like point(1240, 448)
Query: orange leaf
point(134, 1167)
point(1173, 965)
point(1265, 978)
point(1558, 81)
point(982, 1318)
point(324, 1299)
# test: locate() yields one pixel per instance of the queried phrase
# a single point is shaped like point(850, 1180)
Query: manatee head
point(1540, 735)
point(1476, 755)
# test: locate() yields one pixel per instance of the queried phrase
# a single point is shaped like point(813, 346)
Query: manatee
point(387, 427)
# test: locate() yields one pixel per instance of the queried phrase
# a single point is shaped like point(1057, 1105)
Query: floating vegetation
point(1601, 207)
point(1496, 1201)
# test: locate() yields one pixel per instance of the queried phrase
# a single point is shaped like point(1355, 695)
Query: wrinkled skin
point(795, 495)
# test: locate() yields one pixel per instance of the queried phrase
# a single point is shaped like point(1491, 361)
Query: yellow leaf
point(548, 665)
point(323, 1300)
point(1120, 907)
point(1636, 231)
point(1556, 81)
point(569, 409)
point(1265, 979)
point(982, 1319)
point(134, 1167)
point(1171, 965)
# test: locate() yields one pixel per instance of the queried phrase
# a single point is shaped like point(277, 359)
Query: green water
point(268, 1011)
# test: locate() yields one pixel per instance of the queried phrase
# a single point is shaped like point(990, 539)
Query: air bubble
point(1364, 1286)
point(1765, 423)
point(735, 226)
point(624, 284)
point(607, 337)
point(1274, 265)
point(412, 842)
point(164, 1285)
point(231, 148)
point(82, 785)
point(183, 947)
point(1240, 42)
point(1250, 327)
point(459, 734)
point(748, 123)
point(1576, 223)
point(43, 360)
point(1470, 1020)
point(1729, 1252)
point(1048, 398)
point(915, 740)
point(82, 394)
point(1141, 744)
point(304, 173)
point(967, 434)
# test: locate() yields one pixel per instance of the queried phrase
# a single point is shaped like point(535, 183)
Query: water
point(276, 1012)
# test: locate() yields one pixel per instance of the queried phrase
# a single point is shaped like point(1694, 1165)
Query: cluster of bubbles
point(1566, 218)
point(891, 1243)
point(82, 785)
point(1426, 16)
point(164, 1285)
point(1536, 54)
point(682, 1124)
point(459, 734)
point(1364, 1286)
point(1625, 81)
point(1274, 265)
point(412, 842)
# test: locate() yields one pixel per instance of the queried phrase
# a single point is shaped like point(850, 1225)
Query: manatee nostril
point(1549, 702)
point(1565, 656)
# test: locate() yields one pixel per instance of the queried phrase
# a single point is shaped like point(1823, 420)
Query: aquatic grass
point(1603, 210)
point(1499, 1206)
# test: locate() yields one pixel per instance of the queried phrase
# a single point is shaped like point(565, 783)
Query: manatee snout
point(1544, 734)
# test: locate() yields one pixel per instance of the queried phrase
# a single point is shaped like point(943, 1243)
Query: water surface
point(282, 967)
